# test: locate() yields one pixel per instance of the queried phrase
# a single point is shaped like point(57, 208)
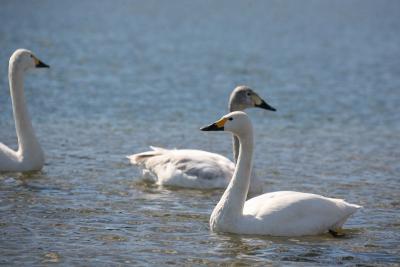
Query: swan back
point(184, 167)
point(288, 213)
point(188, 168)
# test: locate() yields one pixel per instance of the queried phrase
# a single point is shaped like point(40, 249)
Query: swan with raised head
point(29, 156)
point(199, 169)
point(282, 213)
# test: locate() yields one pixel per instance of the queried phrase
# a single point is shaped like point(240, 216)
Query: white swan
point(283, 213)
point(197, 168)
point(29, 156)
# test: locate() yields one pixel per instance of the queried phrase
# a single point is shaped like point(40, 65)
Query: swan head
point(236, 122)
point(243, 97)
point(25, 59)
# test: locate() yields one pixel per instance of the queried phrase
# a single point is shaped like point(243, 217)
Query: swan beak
point(260, 103)
point(212, 127)
point(40, 64)
point(216, 126)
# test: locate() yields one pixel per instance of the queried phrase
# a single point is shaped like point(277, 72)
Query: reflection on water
point(131, 74)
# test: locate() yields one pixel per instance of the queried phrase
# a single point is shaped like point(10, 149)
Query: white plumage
point(185, 167)
point(282, 213)
point(198, 169)
point(288, 213)
point(29, 156)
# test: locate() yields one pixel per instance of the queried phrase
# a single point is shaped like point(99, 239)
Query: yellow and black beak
point(40, 64)
point(216, 126)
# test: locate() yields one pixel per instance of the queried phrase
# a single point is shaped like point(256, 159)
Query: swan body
point(185, 167)
point(198, 169)
point(29, 156)
point(282, 213)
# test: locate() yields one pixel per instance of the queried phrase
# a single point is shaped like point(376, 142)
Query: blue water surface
point(128, 74)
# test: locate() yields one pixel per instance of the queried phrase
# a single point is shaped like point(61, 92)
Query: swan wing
point(287, 213)
point(185, 167)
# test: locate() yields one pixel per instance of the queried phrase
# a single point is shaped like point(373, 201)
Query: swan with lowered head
point(29, 156)
point(199, 169)
point(282, 213)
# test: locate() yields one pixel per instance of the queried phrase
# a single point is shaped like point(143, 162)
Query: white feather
point(187, 168)
point(196, 168)
point(29, 156)
point(282, 213)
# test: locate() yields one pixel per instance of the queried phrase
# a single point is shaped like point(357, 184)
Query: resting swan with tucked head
point(196, 168)
point(29, 156)
point(282, 213)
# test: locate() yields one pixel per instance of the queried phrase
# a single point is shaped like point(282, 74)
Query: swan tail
point(141, 158)
point(349, 209)
point(156, 148)
point(355, 206)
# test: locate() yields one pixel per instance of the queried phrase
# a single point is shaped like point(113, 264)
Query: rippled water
point(128, 74)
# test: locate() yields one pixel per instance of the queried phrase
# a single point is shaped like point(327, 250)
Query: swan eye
point(249, 94)
point(231, 119)
point(31, 56)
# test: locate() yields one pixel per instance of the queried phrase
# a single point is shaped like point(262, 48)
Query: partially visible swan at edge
point(190, 168)
point(29, 156)
point(282, 213)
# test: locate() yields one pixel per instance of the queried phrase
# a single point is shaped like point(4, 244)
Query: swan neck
point(241, 177)
point(235, 141)
point(25, 134)
point(235, 145)
point(230, 207)
point(233, 106)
